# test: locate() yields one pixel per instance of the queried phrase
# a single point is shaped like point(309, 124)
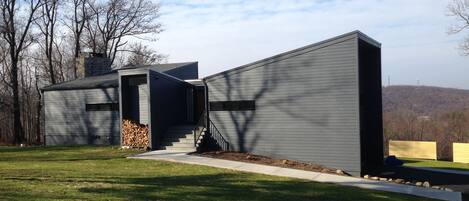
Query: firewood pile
point(134, 134)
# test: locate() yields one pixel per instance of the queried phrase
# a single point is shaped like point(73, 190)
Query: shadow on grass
point(12, 149)
point(407, 161)
point(221, 186)
point(229, 187)
point(122, 181)
point(57, 153)
point(448, 165)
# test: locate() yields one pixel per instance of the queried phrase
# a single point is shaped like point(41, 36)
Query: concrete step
point(179, 133)
point(182, 128)
point(173, 143)
point(176, 136)
point(199, 141)
point(182, 140)
point(179, 138)
point(182, 145)
point(181, 149)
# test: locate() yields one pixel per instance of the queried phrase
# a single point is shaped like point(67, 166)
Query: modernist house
point(320, 103)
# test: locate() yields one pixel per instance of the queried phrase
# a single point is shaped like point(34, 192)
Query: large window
point(233, 105)
point(102, 107)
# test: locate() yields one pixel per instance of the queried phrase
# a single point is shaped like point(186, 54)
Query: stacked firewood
point(134, 134)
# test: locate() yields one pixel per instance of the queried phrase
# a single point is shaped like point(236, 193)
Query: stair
point(179, 138)
point(202, 135)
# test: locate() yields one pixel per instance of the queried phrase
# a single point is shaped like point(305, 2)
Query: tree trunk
point(38, 119)
point(51, 67)
point(77, 54)
point(17, 127)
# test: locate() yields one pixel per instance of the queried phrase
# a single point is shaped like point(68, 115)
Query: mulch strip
point(264, 160)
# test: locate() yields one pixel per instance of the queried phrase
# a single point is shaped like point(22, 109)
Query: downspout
point(207, 108)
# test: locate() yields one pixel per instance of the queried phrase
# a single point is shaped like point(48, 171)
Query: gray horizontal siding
point(68, 123)
point(143, 103)
point(307, 106)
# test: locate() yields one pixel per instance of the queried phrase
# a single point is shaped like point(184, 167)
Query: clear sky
point(222, 34)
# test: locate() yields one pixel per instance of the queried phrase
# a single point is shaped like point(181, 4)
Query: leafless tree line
point(459, 10)
point(444, 128)
point(40, 41)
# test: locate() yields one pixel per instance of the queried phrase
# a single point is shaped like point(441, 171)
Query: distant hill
point(424, 100)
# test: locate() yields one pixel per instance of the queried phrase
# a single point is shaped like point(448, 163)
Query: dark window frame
point(102, 107)
point(137, 80)
point(239, 105)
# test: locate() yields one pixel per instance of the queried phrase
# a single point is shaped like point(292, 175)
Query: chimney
point(92, 64)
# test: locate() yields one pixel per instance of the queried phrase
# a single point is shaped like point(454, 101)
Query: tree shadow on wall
point(280, 88)
point(114, 115)
point(75, 121)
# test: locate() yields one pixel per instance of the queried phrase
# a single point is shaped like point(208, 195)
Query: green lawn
point(103, 173)
point(435, 164)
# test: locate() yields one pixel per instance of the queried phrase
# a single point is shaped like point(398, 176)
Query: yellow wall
point(413, 149)
point(461, 152)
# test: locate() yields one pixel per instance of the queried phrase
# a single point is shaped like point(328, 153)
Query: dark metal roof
point(100, 81)
point(110, 79)
point(159, 67)
point(294, 52)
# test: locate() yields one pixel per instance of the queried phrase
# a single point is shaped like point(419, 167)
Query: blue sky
point(222, 34)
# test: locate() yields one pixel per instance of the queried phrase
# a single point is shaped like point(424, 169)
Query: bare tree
point(456, 125)
point(115, 20)
point(459, 9)
point(35, 50)
point(143, 55)
point(15, 30)
point(38, 105)
point(47, 26)
point(79, 17)
point(5, 95)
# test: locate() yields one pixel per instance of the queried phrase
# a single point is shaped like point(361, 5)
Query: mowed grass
point(435, 164)
point(103, 173)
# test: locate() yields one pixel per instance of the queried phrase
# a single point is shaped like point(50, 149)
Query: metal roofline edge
point(368, 39)
point(355, 33)
point(79, 88)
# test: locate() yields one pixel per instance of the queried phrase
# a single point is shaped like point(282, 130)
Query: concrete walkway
point(182, 157)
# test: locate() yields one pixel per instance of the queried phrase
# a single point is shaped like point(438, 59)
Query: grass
point(435, 164)
point(103, 173)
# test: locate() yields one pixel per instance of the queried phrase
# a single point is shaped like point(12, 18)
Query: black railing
point(214, 139)
point(218, 137)
point(199, 127)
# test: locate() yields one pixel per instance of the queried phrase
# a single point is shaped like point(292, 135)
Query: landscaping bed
point(264, 160)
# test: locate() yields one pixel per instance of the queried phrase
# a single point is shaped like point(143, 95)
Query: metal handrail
point(205, 123)
point(218, 137)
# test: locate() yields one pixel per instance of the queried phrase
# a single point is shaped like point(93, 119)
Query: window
point(102, 107)
point(137, 80)
point(233, 105)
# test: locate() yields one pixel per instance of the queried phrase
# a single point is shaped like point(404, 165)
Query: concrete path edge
point(182, 157)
